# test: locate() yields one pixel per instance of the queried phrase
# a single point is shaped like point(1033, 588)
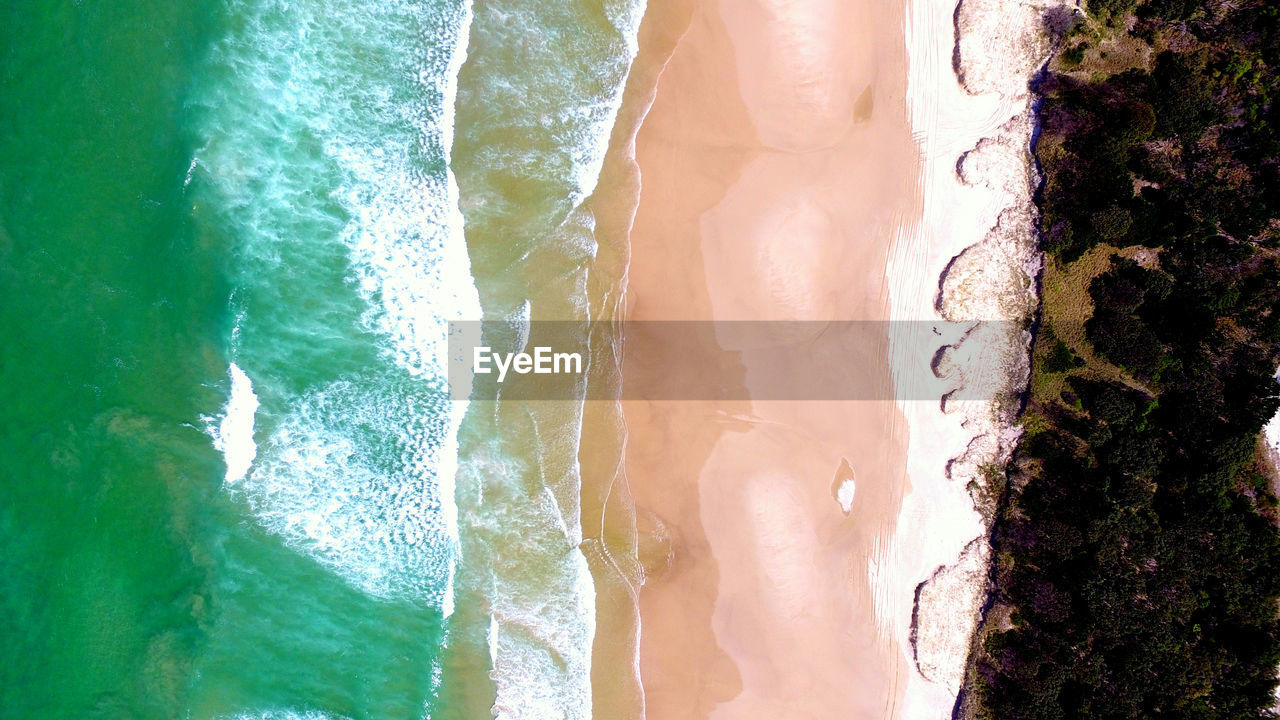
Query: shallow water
point(230, 239)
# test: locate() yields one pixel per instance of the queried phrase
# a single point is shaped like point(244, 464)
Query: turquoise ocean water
point(231, 236)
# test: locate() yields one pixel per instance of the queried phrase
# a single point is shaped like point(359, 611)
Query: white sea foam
point(326, 156)
point(346, 480)
point(233, 435)
point(286, 715)
point(538, 589)
point(543, 649)
point(332, 129)
point(626, 16)
point(537, 104)
point(554, 79)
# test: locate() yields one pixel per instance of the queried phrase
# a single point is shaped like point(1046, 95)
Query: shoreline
point(610, 539)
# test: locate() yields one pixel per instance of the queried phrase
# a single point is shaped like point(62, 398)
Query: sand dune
point(972, 257)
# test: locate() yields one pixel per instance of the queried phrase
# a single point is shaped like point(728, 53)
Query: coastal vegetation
point(1136, 569)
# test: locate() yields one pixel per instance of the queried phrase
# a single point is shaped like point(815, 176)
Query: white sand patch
point(844, 495)
point(973, 258)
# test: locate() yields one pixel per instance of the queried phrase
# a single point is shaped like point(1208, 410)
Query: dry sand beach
point(973, 256)
point(776, 164)
point(802, 161)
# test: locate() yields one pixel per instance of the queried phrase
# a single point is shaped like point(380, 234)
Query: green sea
point(232, 236)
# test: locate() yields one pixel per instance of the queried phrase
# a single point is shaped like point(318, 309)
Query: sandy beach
point(776, 165)
point(784, 162)
point(973, 257)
